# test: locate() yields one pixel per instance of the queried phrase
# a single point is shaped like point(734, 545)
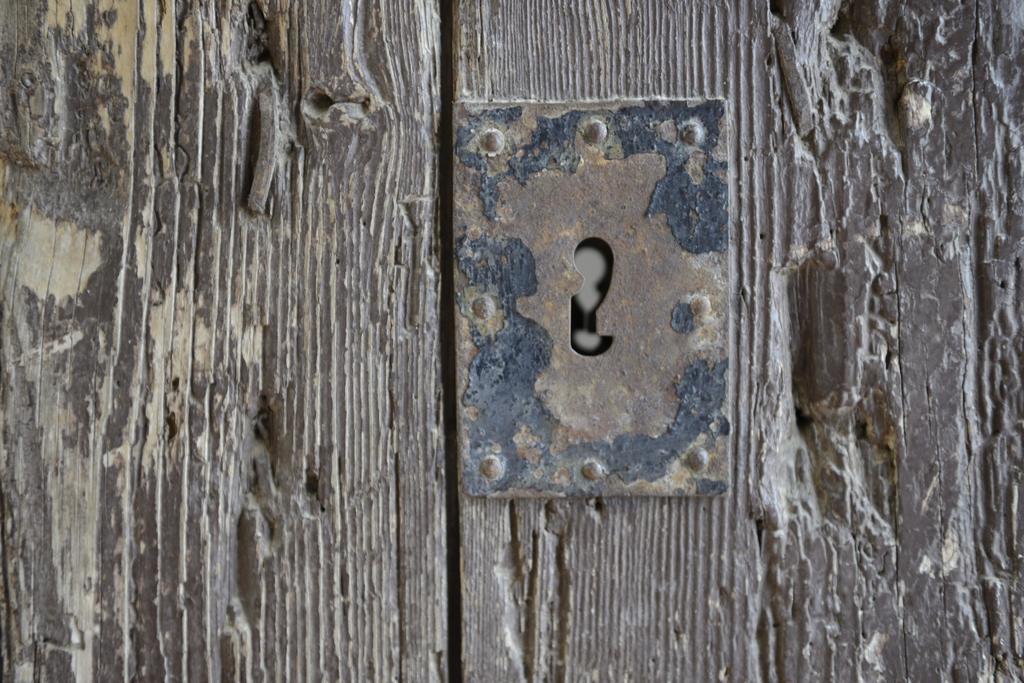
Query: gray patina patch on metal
point(646, 417)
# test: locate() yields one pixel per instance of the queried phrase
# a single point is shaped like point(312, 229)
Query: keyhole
point(593, 259)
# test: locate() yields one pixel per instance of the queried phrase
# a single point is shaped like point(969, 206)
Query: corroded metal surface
point(646, 416)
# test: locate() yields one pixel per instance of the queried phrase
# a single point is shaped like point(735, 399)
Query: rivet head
point(492, 141)
point(595, 132)
point(700, 305)
point(692, 133)
point(483, 307)
point(697, 459)
point(492, 467)
point(593, 470)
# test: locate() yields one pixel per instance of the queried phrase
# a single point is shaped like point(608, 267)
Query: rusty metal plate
point(646, 416)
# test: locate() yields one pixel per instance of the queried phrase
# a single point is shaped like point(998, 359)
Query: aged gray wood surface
point(222, 455)
point(873, 528)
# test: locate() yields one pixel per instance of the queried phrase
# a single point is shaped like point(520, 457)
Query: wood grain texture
point(872, 530)
point(221, 452)
point(221, 445)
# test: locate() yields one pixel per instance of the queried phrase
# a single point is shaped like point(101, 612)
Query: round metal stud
point(697, 459)
point(692, 133)
point(595, 132)
point(492, 467)
point(593, 470)
point(492, 141)
point(483, 307)
point(700, 305)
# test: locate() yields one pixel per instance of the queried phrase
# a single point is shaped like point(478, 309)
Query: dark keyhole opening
point(593, 260)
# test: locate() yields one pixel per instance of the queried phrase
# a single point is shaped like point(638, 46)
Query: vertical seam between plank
point(448, 30)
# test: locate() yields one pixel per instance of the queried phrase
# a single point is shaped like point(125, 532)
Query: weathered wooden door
point(228, 447)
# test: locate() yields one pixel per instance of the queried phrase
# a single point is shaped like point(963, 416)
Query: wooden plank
point(869, 531)
point(616, 589)
point(221, 453)
point(992, 278)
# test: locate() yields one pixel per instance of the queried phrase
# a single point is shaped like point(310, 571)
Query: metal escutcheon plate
point(646, 416)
